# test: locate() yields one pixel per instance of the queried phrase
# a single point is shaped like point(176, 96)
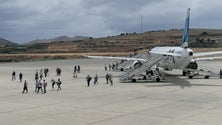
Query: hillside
point(127, 42)
point(57, 39)
point(4, 43)
point(200, 40)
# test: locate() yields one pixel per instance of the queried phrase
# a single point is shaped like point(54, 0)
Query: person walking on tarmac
point(58, 71)
point(78, 69)
point(13, 75)
point(107, 78)
point(53, 83)
point(105, 67)
point(25, 87)
point(96, 80)
point(88, 79)
point(111, 79)
point(59, 85)
point(44, 86)
point(39, 86)
point(75, 68)
point(20, 76)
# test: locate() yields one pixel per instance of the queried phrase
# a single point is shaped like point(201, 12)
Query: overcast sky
point(26, 20)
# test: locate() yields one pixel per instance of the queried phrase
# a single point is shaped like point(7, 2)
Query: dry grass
point(51, 56)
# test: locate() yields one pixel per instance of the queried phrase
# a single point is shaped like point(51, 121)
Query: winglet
point(186, 30)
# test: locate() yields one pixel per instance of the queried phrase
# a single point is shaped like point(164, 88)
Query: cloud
point(25, 20)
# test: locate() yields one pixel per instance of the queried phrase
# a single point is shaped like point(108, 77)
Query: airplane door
point(168, 60)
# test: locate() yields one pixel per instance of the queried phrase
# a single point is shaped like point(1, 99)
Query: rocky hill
point(57, 39)
point(5, 43)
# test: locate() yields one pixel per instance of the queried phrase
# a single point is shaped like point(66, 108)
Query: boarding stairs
point(127, 63)
point(139, 69)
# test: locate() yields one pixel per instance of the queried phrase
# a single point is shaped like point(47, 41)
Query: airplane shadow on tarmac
point(176, 80)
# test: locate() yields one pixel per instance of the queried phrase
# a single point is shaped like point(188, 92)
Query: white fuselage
point(173, 62)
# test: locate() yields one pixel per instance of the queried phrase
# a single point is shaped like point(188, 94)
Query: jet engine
point(190, 53)
point(192, 65)
point(137, 63)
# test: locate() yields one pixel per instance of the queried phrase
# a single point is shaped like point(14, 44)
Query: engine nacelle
point(137, 63)
point(192, 65)
point(190, 53)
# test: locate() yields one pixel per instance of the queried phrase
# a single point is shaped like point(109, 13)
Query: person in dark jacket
point(59, 84)
point(13, 75)
point(20, 76)
point(25, 87)
point(88, 79)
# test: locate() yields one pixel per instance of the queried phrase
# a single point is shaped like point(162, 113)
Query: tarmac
point(177, 101)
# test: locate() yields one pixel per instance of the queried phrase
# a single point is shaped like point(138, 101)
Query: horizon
point(105, 36)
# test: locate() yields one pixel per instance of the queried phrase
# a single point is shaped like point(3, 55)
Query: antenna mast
point(141, 23)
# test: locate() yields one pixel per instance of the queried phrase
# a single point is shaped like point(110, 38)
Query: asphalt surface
point(177, 101)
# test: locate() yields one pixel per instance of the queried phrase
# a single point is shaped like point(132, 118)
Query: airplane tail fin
point(186, 30)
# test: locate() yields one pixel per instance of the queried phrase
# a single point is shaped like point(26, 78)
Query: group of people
point(89, 78)
point(112, 66)
point(58, 84)
point(41, 84)
point(109, 79)
point(14, 76)
point(39, 75)
point(76, 70)
point(25, 85)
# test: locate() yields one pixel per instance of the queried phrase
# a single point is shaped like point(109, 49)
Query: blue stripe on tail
point(186, 30)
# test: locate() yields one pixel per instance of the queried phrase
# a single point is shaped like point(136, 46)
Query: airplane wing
point(119, 58)
point(198, 56)
point(166, 53)
point(207, 53)
point(208, 58)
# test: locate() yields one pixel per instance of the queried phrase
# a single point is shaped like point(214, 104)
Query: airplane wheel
point(206, 77)
point(133, 80)
point(190, 77)
point(157, 79)
point(121, 69)
point(144, 77)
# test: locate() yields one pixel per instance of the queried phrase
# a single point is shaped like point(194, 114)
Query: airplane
point(180, 57)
